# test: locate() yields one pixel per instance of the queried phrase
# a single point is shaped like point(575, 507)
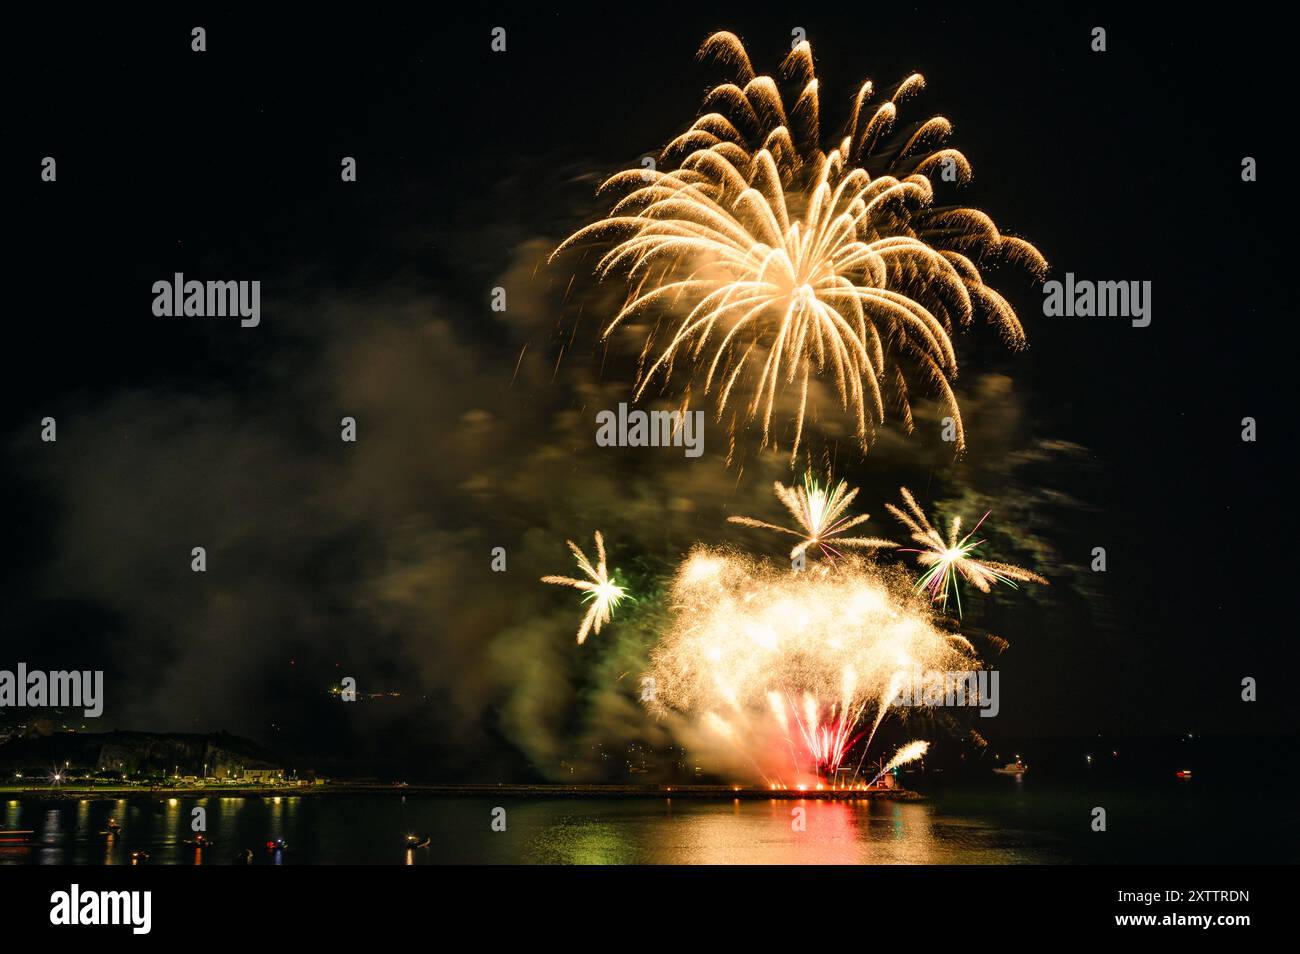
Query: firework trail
point(947, 559)
point(768, 264)
point(782, 667)
point(819, 512)
point(828, 741)
point(908, 753)
point(599, 590)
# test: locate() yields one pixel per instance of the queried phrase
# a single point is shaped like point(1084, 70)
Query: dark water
point(1013, 822)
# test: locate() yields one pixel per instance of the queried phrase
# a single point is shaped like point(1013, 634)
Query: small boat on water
point(246, 856)
point(113, 828)
point(139, 857)
point(413, 841)
point(1012, 768)
point(198, 841)
point(277, 844)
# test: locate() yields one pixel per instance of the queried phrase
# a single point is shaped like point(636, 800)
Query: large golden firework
point(812, 661)
point(767, 263)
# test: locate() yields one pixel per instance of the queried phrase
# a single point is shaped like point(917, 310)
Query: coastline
point(132, 793)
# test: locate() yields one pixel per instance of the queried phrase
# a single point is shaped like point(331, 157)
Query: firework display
point(789, 667)
point(602, 593)
point(604, 438)
point(766, 263)
point(819, 511)
point(948, 558)
point(762, 266)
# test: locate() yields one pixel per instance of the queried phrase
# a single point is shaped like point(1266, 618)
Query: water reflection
point(800, 832)
point(1006, 825)
point(374, 831)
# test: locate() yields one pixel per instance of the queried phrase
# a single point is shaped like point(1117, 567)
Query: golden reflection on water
point(777, 831)
point(674, 831)
point(802, 832)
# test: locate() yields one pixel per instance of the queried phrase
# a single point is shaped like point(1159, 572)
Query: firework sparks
point(819, 512)
point(782, 667)
point(947, 559)
point(908, 753)
point(599, 590)
point(828, 741)
point(774, 263)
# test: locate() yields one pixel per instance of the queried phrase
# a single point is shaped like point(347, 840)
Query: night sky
point(372, 559)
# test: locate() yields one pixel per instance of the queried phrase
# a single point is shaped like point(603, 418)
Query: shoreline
point(103, 793)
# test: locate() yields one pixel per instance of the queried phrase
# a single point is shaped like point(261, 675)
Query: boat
point(246, 856)
point(1012, 768)
point(414, 842)
point(198, 841)
point(139, 857)
point(278, 844)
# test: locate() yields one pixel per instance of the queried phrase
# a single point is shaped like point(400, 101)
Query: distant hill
point(134, 753)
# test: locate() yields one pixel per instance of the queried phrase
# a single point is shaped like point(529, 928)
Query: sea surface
point(1008, 821)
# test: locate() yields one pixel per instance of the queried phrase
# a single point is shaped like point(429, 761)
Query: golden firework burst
point(767, 263)
point(819, 659)
point(819, 512)
point(599, 590)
